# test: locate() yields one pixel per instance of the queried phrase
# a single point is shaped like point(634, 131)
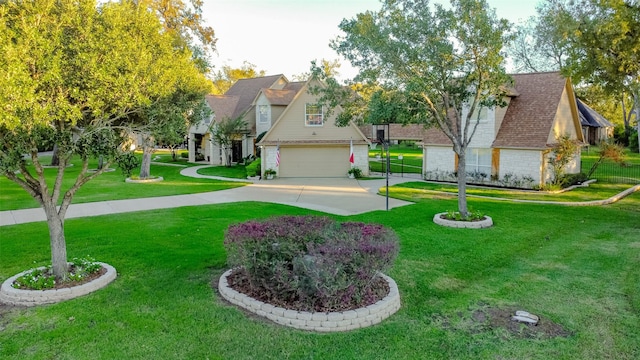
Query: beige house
point(305, 142)
point(238, 101)
point(512, 145)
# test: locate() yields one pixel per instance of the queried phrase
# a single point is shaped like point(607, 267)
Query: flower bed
point(312, 264)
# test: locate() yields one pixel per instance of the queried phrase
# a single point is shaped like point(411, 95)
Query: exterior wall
point(563, 124)
point(438, 158)
point(295, 129)
point(361, 158)
point(485, 132)
point(522, 163)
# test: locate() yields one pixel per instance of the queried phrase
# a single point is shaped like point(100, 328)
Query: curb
point(316, 321)
point(12, 296)
point(486, 223)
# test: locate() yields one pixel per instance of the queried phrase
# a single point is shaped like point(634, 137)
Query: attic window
point(313, 115)
point(263, 114)
point(483, 116)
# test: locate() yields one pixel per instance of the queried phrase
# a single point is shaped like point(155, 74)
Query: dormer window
point(313, 115)
point(480, 114)
point(263, 114)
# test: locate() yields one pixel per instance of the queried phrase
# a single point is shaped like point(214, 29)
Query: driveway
point(340, 196)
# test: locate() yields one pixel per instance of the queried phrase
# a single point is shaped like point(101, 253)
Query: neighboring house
point(304, 141)
point(512, 145)
point(595, 128)
point(239, 101)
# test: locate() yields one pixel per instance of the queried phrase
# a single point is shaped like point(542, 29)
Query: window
point(263, 113)
point(478, 161)
point(313, 115)
point(484, 112)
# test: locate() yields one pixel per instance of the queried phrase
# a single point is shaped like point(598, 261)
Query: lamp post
point(383, 137)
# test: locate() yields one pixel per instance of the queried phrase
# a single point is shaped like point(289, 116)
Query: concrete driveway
point(340, 196)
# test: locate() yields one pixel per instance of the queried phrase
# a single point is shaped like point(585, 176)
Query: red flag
point(351, 159)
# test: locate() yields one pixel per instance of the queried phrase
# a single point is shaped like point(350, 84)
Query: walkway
point(340, 196)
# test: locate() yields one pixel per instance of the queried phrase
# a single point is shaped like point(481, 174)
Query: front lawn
point(574, 266)
point(111, 186)
point(234, 172)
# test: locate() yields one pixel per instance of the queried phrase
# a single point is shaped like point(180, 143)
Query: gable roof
point(246, 91)
point(284, 96)
point(223, 106)
point(271, 139)
point(530, 116)
point(590, 117)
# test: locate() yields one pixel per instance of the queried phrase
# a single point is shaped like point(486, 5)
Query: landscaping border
point(316, 321)
point(487, 222)
point(11, 296)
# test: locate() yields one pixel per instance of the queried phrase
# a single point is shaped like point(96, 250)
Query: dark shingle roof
point(530, 116)
point(589, 117)
point(222, 106)
point(247, 89)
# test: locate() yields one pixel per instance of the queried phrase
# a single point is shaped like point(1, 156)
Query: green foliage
point(224, 79)
point(227, 130)
point(127, 161)
point(43, 278)
point(254, 168)
point(355, 171)
point(472, 215)
point(564, 151)
point(312, 262)
point(270, 172)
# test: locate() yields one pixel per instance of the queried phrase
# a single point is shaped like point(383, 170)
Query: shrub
point(42, 279)
point(253, 169)
point(184, 155)
point(312, 261)
point(356, 172)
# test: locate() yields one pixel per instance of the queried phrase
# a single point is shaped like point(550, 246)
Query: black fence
point(611, 172)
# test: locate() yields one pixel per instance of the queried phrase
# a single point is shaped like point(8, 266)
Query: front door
point(236, 151)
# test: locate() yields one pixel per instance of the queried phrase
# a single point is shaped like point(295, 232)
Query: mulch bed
point(238, 281)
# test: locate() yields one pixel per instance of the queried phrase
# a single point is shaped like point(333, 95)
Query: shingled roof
point(284, 96)
point(223, 106)
point(590, 117)
point(530, 116)
point(247, 89)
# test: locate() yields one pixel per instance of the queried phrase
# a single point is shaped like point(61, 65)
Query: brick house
point(512, 145)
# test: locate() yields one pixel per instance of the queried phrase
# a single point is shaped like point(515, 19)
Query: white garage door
point(314, 161)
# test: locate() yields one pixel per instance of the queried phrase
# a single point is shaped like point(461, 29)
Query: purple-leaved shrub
point(312, 261)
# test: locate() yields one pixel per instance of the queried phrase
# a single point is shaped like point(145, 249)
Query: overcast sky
point(284, 36)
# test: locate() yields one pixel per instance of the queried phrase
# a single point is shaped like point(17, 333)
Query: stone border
point(143, 181)
point(12, 296)
point(316, 321)
point(487, 222)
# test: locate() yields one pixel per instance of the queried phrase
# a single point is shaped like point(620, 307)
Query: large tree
point(440, 63)
point(224, 78)
point(74, 73)
point(603, 37)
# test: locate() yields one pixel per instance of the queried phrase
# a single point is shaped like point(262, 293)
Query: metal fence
point(611, 172)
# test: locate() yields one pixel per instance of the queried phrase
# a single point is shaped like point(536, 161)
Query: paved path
point(340, 196)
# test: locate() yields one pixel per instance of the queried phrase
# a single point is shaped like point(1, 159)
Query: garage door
point(314, 161)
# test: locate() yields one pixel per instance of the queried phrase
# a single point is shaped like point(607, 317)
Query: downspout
point(543, 173)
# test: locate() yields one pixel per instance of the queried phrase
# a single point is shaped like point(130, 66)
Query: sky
point(284, 36)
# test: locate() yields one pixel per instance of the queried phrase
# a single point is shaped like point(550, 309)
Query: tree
point(74, 74)
point(604, 44)
point(225, 78)
point(225, 131)
point(564, 152)
point(607, 150)
point(329, 67)
point(439, 62)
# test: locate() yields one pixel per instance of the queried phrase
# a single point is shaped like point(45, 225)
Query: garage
point(314, 161)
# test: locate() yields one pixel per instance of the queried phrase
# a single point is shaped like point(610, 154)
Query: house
point(239, 101)
point(513, 144)
point(397, 132)
point(595, 128)
point(304, 140)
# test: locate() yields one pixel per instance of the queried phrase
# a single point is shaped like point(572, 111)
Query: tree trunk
point(636, 101)
point(145, 166)
point(55, 160)
point(58, 243)
point(462, 185)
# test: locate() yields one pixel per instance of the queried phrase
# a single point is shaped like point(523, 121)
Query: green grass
point(111, 186)
point(234, 172)
point(609, 171)
point(595, 191)
point(411, 162)
point(574, 266)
